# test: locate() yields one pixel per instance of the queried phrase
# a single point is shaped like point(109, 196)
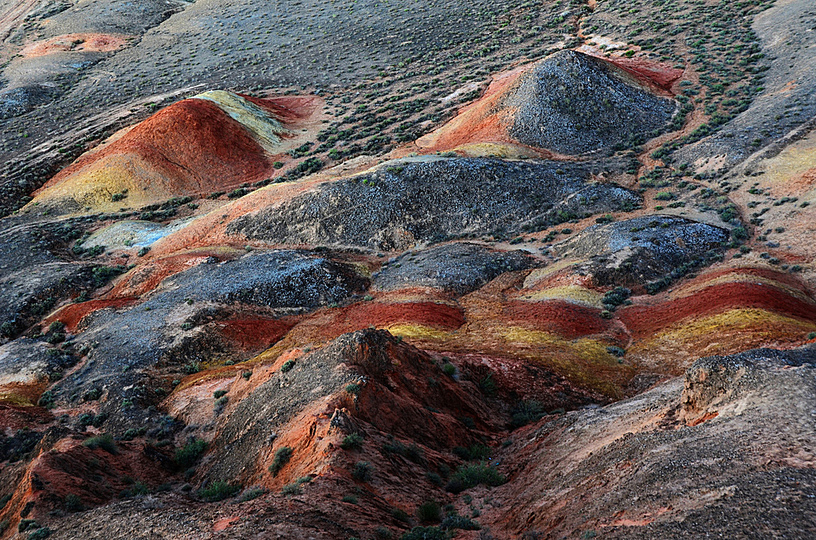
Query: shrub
point(73, 503)
point(526, 412)
point(282, 457)
point(39, 534)
point(488, 385)
point(218, 491)
point(353, 388)
point(475, 452)
point(399, 514)
point(219, 393)
point(138, 488)
point(429, 512)
point(449, 369)
point(383, 532)
point(472, 474)
point(434, 478)
point(455, 521)
point(105, 442)
point(426, 533)
point(46, 400)
point(287, 366)
point(187, 455)
point(353, 441)
point(663, 196)
point(252, 493)
point(351, 499)
point(362, 471)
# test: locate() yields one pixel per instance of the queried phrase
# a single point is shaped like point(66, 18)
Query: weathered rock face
point(573, 103)
point(433, 200)
point(648, 251)
point(459, 268)
point(177, 328)
point(715, 382)
point(33, 275)
point(642, 472)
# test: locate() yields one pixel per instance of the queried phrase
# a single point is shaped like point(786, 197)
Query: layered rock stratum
point(382, 270)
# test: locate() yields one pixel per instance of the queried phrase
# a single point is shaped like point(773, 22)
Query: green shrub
point(399, 514)
point(663, 196)
point(429, 512)
point(426, 533)
point(527, 411)
point(138, 488)
point(362, 471)
point(73, 503)
point(455, 521)
point(27, 525)
point(449, 369)
point(282, 457)
point(252, 493)
point(488, 385)
point(434, 478)
point(287, 366)
point(219, 393)
point(46, 400)
point(384, 533)
point(353, 388)
point(187, 455)
point(39, 534)
point(105, 442)
point(351, 499)
point(353, 441)
point(472, 474)
point(616, 351)
point(218, 491)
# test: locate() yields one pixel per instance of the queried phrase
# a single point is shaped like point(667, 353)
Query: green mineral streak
point(266, 129)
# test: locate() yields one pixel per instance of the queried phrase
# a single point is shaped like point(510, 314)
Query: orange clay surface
point(75, 43)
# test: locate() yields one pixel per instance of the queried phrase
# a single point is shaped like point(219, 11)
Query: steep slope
point(216, 141)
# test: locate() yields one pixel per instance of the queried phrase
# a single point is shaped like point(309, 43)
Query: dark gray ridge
point(409, 202)
point(459, 268)
point(574, 103)
point(649, 250)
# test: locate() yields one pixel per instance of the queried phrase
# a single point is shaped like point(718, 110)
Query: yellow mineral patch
point(496, 149)
point(266, 129)
point(730, 332)
point(11, 398)
point(95, 185)
point(570, 293)
point(540, 274)
point(418, 331)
